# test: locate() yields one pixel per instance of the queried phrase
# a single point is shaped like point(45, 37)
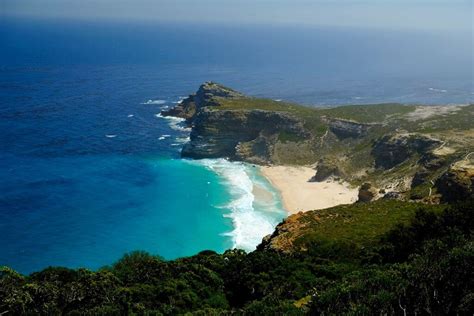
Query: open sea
point(89, 171)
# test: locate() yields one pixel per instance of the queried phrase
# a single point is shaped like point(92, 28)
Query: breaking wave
point(159, 102)
point(175, 123)
point(250, 223)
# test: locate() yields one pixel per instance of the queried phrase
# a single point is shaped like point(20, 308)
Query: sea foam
point(438, 90)
point(175, 123)
point(250, 223)
point(180, 100)
point(154, 102)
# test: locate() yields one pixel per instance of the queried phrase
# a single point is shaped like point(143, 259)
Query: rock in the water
point(367, 193)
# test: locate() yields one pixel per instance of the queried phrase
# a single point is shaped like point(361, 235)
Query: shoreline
point(300, 195)
point(252, 205)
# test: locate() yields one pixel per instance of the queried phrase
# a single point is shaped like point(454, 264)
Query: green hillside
point(408, 257)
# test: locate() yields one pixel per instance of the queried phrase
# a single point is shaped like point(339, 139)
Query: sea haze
point(89, 171)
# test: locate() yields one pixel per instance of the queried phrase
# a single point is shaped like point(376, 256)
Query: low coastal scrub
point(419, 266)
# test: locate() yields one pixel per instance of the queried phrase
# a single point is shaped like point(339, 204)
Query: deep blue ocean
point(89, 171)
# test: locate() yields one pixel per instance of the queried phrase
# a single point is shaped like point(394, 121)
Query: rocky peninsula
point(382, 151)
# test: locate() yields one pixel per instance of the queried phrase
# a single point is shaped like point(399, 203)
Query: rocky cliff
point(240, 134)
point(457, 183)
point(389, 148)
point(346, 128)
point(208, 94)
point(392, 150)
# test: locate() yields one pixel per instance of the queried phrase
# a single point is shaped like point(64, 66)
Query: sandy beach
point(298, 194)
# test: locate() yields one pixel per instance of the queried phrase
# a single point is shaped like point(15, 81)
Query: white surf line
point(154, 102)
point(438, 90)
point(250, 225)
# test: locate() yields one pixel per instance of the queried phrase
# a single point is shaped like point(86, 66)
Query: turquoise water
point(88, 171)
point(88, 210)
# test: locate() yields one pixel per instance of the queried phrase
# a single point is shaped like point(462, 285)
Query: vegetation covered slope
point(420, 267)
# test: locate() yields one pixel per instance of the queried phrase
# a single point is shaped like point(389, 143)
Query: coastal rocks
point(367, 193)
point(326, 169)
point(247, 135)
point(347, 129)
point(392, 150)
point(186, 109)
point(286, 233)
point(239, 134)
point(457, 184)
point(208, 94)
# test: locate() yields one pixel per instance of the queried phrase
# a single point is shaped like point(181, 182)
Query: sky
point(447, 15)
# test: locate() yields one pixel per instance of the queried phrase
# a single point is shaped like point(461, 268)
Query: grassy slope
point(358, 225)
point(360, 113)
point(362, 223)
point(375, 113)
point(367, 113)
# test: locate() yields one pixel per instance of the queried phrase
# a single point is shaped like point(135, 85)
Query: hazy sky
point(394, 14)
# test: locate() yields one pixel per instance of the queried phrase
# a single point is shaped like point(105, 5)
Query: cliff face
point(457, 184)
point(239, 134)
point(392, 150)
point(347, 129)
point(327, 169)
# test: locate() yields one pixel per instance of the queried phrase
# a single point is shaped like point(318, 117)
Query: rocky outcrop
point(392, 150)
point(432, 162)
point(457, 184)
point(208, 94)
point(367, 193)
point(239, 134)
point(186, 109)
point(420, 177)
point(393, 196)
point(347, 129)
point(287, 232)
point(325, 170)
